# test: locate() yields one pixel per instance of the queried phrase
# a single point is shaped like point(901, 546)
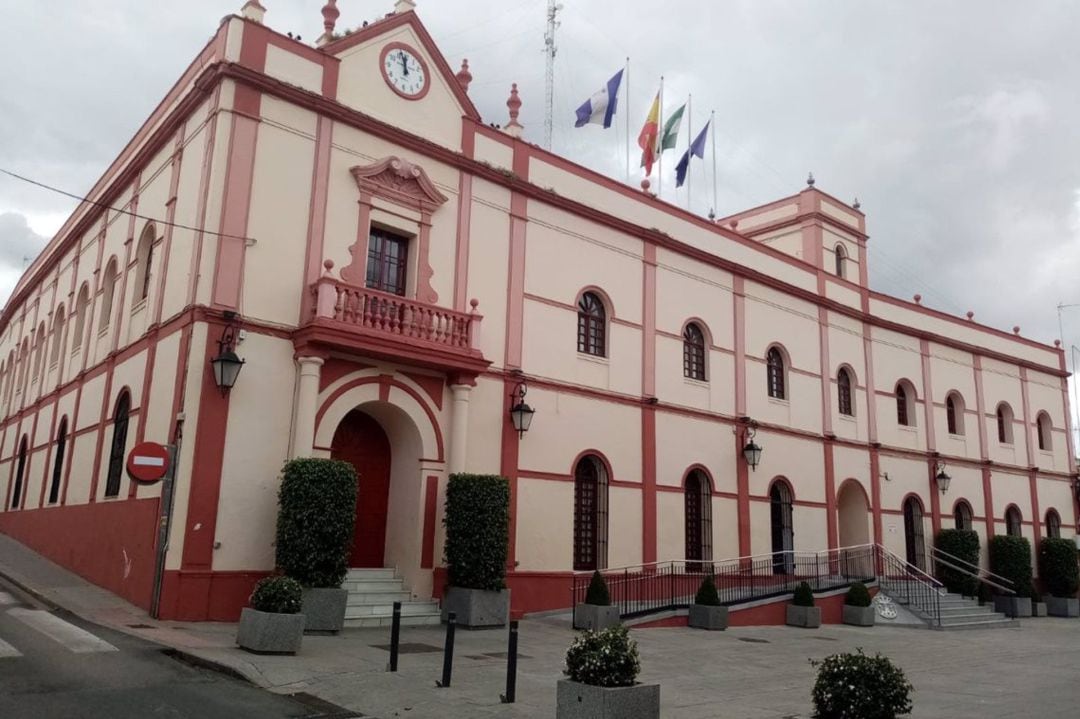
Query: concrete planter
point(269, 633)
point(859, 616)
point(582, 701)
point(1013, 606)
point(707, 617)
point(477, 608)
point(595, 617)
point(1063, 606)
point(808, 617)
point(324, 609)
point(1038, 609)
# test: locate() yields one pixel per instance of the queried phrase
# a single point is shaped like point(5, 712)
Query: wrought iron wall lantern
point(226, 364)
point(521, 414)
point(942, 478)
point(751, 450)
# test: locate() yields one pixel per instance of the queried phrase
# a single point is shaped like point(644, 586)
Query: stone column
point(307, 397)
point(459, 426)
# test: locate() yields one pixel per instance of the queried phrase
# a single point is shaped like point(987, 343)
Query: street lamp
point(226, 364)
point(751, 450)
point(521, 414)
point(941, 478)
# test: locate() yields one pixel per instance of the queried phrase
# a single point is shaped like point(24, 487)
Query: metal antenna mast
point(550, 50)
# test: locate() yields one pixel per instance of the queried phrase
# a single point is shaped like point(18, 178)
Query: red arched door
point(360, 441)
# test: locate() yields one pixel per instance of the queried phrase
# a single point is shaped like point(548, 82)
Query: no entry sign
point(148, 462)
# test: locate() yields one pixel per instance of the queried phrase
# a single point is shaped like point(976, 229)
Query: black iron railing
point(910, 586)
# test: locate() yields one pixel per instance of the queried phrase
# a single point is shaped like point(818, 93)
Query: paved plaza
point(741, 673)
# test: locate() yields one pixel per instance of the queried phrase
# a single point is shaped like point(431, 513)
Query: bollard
point(511, 666)
point(448, 651)
point(395, 637)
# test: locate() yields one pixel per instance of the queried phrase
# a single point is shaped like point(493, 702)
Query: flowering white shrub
point(608, 658)
point(855, 686)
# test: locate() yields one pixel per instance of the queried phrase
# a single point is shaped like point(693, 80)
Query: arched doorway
point(914, 543)
point(853, 514)
point(590, 514)
point(697, 507)
point(783, 533)
point(361, 441)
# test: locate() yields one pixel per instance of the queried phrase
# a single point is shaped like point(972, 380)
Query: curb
point(203, 663)
point(27, 589)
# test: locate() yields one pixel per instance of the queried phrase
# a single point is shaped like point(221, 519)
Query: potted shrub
point(855, 686)
point(597, 612)
point(1010, 557)
point(858, 606)
point(1061, 576)
point(802, 612)
point(317, 511)
point(962, 544)
point(602, 668)
point(273, 623)
point(477, 521)
point(706, 612)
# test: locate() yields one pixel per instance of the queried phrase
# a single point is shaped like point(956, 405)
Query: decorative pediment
point(399, 181)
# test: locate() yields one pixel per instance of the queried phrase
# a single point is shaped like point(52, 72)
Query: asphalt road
point(54, 665)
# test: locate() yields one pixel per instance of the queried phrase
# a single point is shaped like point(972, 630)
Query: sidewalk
point(745, 672)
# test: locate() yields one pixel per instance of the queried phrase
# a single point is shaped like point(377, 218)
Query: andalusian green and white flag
point(670, 135)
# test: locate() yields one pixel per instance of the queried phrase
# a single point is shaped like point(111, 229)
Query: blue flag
point(697, 148)
point(600, 108)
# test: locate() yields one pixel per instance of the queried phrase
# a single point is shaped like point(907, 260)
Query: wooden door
point(360, 441)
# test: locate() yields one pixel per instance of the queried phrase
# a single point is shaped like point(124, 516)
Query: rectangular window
point(387, 260)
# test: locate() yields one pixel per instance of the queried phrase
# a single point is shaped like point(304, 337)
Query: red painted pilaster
point(830, 496)
point(648, 483)
point(875, 493)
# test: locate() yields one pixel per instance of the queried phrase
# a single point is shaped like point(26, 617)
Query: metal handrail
point(976, 567)
point(984, 580)
point(926, 596)
point(932, 580)
point(726, 560)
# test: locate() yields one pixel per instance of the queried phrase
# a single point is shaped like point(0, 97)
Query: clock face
point(405, 72)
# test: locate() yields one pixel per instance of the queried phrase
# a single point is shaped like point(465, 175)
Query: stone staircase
point(372, 593)
point(958, 612)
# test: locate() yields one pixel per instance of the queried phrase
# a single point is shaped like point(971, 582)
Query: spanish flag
point(647, 140)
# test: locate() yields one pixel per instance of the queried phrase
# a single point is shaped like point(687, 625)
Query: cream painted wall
point(800, 461)
point(550, 534)
point(682, 442)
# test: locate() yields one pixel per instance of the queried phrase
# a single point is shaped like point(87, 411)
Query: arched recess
point(592, 474)
point(853, 514)
point(697, 512)
point(914, 533)
point(781, 514)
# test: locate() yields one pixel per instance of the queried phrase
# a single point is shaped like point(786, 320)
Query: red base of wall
point(774, 613)
point(108, 543)
point(206, 596)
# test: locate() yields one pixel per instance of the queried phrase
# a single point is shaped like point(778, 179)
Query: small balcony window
point(387, 261)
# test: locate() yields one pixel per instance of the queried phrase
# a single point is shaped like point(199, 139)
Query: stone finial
point(733, 224)
point(712, 215)
point(404, 6)
point(514, 127)
point(464, 77)
point(1057, 343)
point(330, 15)
point(856, 204)
point(1016, 329)
point(810, 180)
point(253, 10)
point(328, 265)
point(474, 303)
point(918, 299)
point(970, 315)
point(645, 185)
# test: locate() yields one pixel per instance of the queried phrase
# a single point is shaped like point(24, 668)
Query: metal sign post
point(164, 524)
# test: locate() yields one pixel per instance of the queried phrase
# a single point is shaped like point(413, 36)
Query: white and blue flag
point(600, 108)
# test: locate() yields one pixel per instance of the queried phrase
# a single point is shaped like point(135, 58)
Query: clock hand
point(404, 63)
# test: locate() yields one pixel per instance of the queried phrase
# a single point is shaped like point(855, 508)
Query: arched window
point(775, 373)
point(783, 532)
point(841, 255)
point(1044, 429)
point(697, 495)
point(905, 399)
point(58, 335)
point(144, 257)
point(1005, 423)
point(1013, 522)
point(58, 461)
point(843, 392)
point(963, 516)
point(1053, 524)
point(693, 353)
point(954, 413)
point(82, 306)
point(108, 287)
point(915, 544)
point(20, 473)
point(119, 444)
point(591, 326)
point(590, 514)
point(39, 351)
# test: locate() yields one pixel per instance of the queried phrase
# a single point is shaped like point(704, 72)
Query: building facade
point(394, 271)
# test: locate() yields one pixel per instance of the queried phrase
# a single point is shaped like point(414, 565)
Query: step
point(408, 609)
point(407, 621)
point(969, 617)
point(1004, 623)
point(386, 573)
point(368, 598)
point(367, 586)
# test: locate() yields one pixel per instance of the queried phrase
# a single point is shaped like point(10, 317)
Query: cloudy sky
point(957, 125)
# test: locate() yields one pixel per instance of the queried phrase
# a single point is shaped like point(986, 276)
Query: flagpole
point(712, 123)
point(690, 140)
point(627, 113)
point(659, 148)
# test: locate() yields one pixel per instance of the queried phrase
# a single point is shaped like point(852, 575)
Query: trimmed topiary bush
point(855, 686)
point(597, 594)
point(963, 544)
point(804, 596)
point(477, 521)
point(277, 594)
point(858, 595)
point(316, 514)
point(1058, 567)
point(707, 596)
point(607, 658)
point(1011, 558)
